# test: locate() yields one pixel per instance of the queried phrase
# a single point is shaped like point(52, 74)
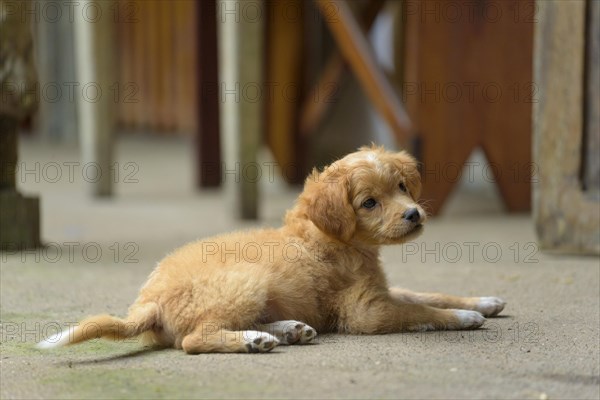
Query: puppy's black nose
point(412, 215)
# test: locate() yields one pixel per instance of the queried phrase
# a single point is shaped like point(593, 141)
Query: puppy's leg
point(226, 341)
point(384, 315)
point(488, 306)
point(290, 332)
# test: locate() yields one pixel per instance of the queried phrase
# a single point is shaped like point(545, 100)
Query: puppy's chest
point(348, 267)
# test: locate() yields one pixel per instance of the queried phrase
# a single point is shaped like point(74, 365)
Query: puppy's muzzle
point(412, 215)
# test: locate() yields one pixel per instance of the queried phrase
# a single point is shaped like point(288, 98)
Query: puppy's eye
point(369, 203)
point(402, 187)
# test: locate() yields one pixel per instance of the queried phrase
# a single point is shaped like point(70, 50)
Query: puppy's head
point(368, 196)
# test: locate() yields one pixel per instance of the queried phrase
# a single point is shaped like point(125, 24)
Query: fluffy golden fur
point(249, 291)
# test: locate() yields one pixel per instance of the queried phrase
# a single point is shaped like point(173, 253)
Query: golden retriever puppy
point(320, 272)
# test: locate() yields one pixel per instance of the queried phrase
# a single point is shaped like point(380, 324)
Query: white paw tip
point(307, 333)
point(259, 342)
point(470, 319)
point(290, 332)
point(298, 332)
point(490, 306)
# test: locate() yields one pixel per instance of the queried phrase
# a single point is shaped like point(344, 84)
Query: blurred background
point(130, 127)
point(112, 102)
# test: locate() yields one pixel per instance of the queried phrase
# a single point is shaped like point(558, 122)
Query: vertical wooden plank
point(140, 67)
point(170, 69)
point(157, 61)
point(126, 78)
point(251, 60)
point(164, 58)
point(284, 80)
point(163, 61)
point(152, 64)
point(208, 142)
point(179, 42)
point(185, 64)
point(591, 160)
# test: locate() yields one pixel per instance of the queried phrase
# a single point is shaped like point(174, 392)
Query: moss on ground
point(105, 381)
point(103, 369)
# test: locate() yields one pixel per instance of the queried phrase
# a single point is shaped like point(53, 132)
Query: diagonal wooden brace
point(355, 49)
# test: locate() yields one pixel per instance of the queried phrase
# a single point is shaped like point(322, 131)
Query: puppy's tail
point(141, 319)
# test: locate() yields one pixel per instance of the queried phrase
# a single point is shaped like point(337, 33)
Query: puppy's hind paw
point(490, 306)
point(469, 319)
point(259, 342)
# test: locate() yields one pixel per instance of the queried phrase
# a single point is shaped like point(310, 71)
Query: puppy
point(250, 291)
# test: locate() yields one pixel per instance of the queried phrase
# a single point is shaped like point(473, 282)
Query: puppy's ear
point(328, 205)
point(409, 168)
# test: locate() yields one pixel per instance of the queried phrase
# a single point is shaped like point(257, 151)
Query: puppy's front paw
point(290, 332)
point(259, 342)
point(490, 306)
point(307, 334)
point(469, 319)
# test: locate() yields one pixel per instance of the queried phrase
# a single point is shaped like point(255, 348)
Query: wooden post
point(591, 165)
point(567, 218)
point(283, 85)
point(56, 71)
point(19, 215)
point(208, 143)
point(241, 25)
point(95, 62)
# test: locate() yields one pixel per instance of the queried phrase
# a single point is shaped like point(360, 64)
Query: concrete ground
point(99, 252)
